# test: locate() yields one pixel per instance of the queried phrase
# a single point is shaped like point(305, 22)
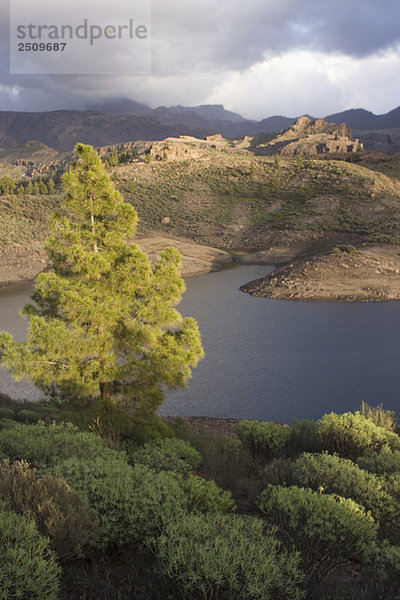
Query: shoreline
point(370, 273)
point(367, 273)
point(19, 266)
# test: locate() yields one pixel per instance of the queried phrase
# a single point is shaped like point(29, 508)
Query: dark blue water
point(271, 359)
point(279, 360)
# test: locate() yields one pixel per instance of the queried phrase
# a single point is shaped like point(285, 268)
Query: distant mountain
point(120, 106)
point(61, 130)
point(123, 120)
point(364, 119)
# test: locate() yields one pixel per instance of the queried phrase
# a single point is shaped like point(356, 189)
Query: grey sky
point(258, 57)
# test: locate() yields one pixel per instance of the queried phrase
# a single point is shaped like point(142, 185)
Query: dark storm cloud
point(229, 34)
point(193, 39)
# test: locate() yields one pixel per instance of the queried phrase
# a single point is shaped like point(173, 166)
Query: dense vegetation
point(263, 511)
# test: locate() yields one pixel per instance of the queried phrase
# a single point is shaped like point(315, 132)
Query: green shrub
point(379, 416)
point(335, 475)
point(262, 438)
point(226, 557)
point(205, 496)
point(223, 458)
point(381, 570)
point(28, 566)
point(168, 454)
point(6, 413)
point(132, 503)
point(351, 435)
point(148, 430)
point(43, 446)
point(278, 472)
point(304, 437)
point(6, 424)
point(327, 530)
point(59, 512)
point(384, 462)
point(28, 416)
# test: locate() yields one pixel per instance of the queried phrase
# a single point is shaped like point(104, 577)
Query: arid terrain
point(275, 200)
point(370, 273)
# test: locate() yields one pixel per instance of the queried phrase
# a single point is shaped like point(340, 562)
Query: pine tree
point(105, 328)
point(51, 187)
point(29, 189)
point(36, 190)
point(43, 188)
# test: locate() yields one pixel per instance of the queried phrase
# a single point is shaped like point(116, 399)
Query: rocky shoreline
point(370, 273)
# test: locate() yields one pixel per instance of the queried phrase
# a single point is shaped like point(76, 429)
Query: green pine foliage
point(105, 327)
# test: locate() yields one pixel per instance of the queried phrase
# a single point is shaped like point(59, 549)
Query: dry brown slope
point(371, 273)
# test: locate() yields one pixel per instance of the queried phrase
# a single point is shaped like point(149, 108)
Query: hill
point(216, 192)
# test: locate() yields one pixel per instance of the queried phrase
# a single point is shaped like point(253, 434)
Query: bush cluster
point(310, 512)
point(263, 439)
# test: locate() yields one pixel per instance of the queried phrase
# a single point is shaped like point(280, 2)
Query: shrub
point(351, 435)
point(304, 437)
point(28, 566)
point(108, 421)
point(6, 424)
point(59, 512)
point(327, 530)
point(6, 413)
point(384, 462)
point(379, 416)
point(335, 475)
point(132, 503)
point(224, 458)
point(168, 454)
point(278, 472)
point(43, 446)
point(205, 496)
point(148, 430)
point(262, 438)
point(28, 416)
point(381, 570)
point(223, 556)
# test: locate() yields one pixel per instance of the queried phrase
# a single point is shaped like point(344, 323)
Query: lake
point(269, 359)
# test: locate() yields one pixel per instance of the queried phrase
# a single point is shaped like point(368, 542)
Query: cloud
point(258, 57)
point(304, 82)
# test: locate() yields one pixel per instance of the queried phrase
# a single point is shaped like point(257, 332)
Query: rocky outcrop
point(311, 137)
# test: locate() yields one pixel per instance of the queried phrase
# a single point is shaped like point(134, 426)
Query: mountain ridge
point(62, 129)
